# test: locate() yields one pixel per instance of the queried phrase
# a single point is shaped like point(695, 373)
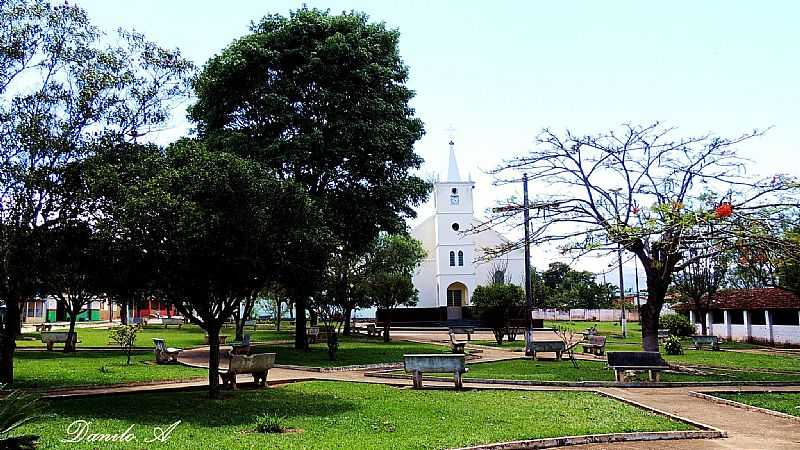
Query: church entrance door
point(456, 297)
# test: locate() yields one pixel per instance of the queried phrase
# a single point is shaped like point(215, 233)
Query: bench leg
point(459, 382)
point(416, 377)
point(619, 376)
point(261, 378)
point(50, 346)
point(655, 375)
point(558, 356)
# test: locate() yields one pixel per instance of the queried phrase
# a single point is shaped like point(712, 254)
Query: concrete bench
point(44, 327)
point(435, 363)
point(241, 348)
point(594, 344)
point(636, 361)
point(456, 345)
point(372, 330)
point(251, 323)
point(462, 330)
point(57, 337)
point(663, 333)
point(700, 340)
point(172, 321)
point(557, 347)
point(164, 354)
point(256, 365)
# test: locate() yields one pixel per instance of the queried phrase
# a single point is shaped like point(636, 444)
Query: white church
point(454, 266)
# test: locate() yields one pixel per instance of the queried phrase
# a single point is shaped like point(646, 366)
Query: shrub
point(672, 345)
point(16, 409)
point(677, 325)
point(269, 423)
point(125, 337)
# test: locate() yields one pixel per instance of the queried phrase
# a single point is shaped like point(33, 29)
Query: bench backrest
point(371, 326)
point(171, 320)
point(705, 339)
point(57, 336)
point(246, 339)
point(160, 344)
point(636, 359)
point(461, 330)
point(260, 362)
point(663, 332)
point(434, 362)
point(548, 346)
point(313, 331)
point(597, 340)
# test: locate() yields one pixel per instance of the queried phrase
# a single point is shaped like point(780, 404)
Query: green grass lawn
point(40, 370)
point(187, 336)
point(352, 351)
point(527, 369)
point(336, 415)
point(785, 402)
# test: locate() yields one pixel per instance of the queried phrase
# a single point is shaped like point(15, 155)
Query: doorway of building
point(456, 298)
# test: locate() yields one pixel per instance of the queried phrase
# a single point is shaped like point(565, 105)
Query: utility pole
point(526, 207)
point(638, 301)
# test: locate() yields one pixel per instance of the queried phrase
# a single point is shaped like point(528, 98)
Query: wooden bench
point(312, 334)
point(662, 334)
point(164, 354)
point(44, 327)
point(140, 320)
point(251, 323)
point(557, 347)
point(701, 340)
point(462, 330)
point(435, 363)
point(456, 346)
point(57, 337)
point(594, 344)
point(636, 361)
point(241, 348)
point(223, 339)
point(172, 321)
point(372, 330)
point(256, 365)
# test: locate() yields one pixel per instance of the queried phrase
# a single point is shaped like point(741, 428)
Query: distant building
point(455, 265)
point(767, 315)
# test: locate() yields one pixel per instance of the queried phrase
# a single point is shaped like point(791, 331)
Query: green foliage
point(269, 423)
point(498, 304)
point(125, 337)
point(17, 409)
point(677, 324)
point(672, 345)
point(562, 287)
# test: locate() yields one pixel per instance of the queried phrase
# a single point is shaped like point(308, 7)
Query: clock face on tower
point(454, 199)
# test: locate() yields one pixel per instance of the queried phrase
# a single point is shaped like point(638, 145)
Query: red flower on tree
point(724, 210)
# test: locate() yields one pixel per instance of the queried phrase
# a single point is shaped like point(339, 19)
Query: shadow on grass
point(236, 408)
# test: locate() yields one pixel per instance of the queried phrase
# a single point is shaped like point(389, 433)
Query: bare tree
point(699, 281)
point(643, 189)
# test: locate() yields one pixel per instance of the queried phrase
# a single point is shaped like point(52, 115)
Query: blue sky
point(500, 71)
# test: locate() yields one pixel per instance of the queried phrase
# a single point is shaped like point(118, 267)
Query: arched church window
point(460, 258)
point(452, 259)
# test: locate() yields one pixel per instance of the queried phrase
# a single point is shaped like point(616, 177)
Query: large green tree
point(64, 85)
point(216, 227)
point(321, 99)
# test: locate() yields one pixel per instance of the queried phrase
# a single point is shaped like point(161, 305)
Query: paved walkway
point(746, 429)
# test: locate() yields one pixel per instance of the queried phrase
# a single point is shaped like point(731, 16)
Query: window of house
point(737, 317)
point(717, 316)
point(785, 317)
point(452, 259)
point(460, 258)
point(758, 317)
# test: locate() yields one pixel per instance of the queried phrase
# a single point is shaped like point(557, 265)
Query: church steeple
point(452, 171)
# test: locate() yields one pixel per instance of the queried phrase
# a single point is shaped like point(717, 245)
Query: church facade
point(455, 263)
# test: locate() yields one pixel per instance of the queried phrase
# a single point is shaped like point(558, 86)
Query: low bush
point(677, 325)
point(673, 346)
point(267, 423)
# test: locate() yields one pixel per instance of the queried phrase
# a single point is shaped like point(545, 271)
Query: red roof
point(764, 298)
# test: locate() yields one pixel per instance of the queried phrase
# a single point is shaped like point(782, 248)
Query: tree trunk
point(278, 315)
point(386, 325)
point(703, 324)
point(650, 315)
point(347, 313)
point(123, 311)
point(8, 342)
point(300, 341)
point(213, 361)
point(238, 320)
point(69, 346)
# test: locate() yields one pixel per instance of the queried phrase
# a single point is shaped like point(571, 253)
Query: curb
point(598, 439)
point(353, 368)
point(593, 384)
point(735, 404)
